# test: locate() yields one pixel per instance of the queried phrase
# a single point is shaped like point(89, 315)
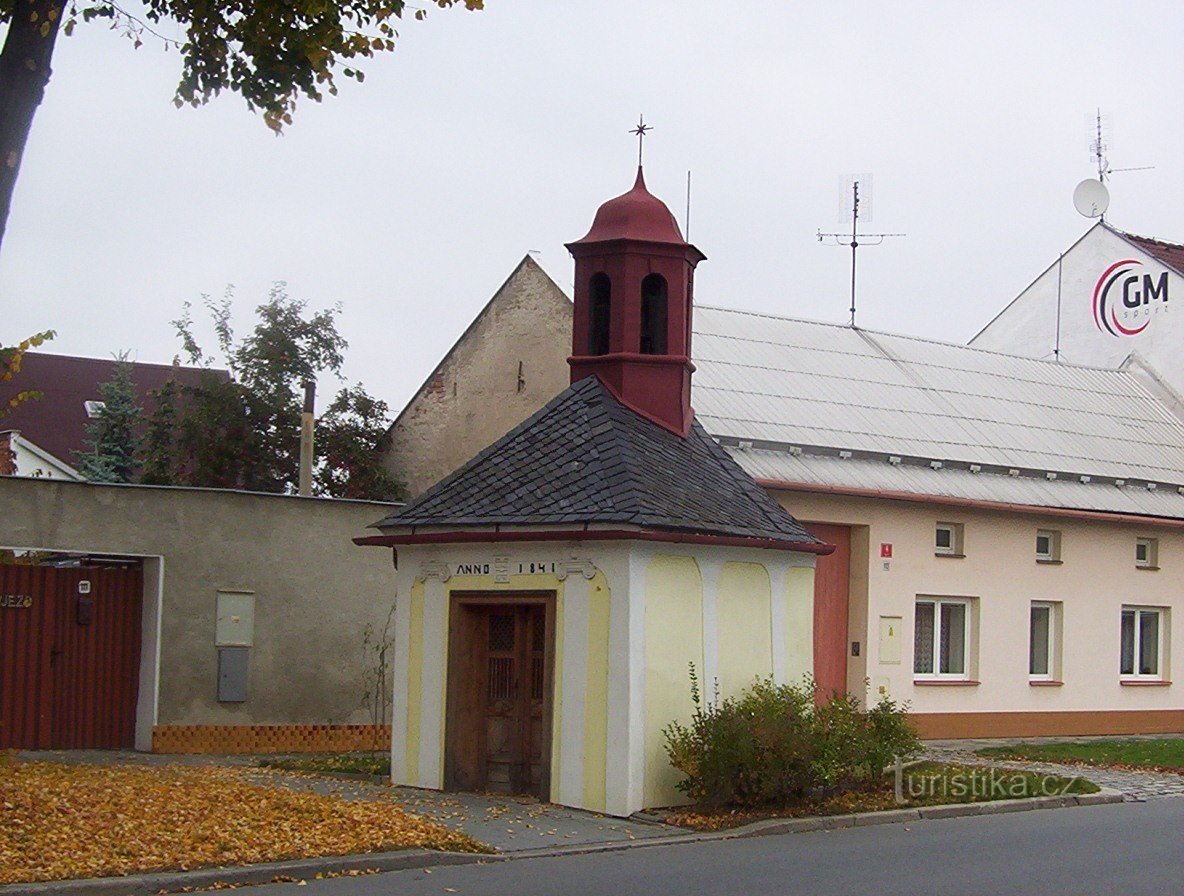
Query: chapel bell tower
point(634, 276)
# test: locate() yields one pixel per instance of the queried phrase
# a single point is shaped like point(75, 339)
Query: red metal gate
point(69, 656)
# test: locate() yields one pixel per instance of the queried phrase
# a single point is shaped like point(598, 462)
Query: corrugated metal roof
point(958, 483)
point(791, 382)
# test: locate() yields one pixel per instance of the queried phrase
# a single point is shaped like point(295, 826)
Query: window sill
point(945, 683)
point(1147, 568)
point(1049, 561)
point(949, 556)
point(1045, 683)
point(1141, 683)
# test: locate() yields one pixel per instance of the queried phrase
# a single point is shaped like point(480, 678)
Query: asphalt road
point(1127, 849)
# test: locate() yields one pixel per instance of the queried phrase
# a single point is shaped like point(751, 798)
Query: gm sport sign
point(1125, 298)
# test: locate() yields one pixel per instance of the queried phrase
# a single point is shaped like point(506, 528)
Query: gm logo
point(1122, 298)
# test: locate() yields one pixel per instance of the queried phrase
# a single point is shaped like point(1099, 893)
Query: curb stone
point(891, 816)
point(262, 873)
point(405, 860)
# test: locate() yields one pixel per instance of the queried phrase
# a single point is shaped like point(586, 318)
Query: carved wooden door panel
point(499, 714)
point(515, 700)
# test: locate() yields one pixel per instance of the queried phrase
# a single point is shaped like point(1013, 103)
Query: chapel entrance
point(500, 673)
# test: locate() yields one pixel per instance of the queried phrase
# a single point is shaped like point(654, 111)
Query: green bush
point(775, 743)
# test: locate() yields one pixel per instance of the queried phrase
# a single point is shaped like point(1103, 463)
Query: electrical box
point(235, 626)
point(890, 638)
point(233, 668)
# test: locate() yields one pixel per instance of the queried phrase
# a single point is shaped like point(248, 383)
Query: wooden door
point(831, 593)
point(498, 727)
point(69, 657)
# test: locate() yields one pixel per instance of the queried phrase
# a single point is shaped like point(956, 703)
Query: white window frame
point(955, 546)
point(967, 634)
point(1160, 648)
point(1054, 624)
point(1151, 561)
point(1054, 546)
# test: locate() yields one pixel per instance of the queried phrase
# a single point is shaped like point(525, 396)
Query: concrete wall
point(509, 363)
point(1000, 574)
point(315, 591)
point(630, 618)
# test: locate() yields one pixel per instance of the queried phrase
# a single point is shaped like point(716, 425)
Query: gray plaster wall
point(315, 591)
point(475, 395)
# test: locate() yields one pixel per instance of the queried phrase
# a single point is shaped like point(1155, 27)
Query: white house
point(26, 458)
point(1107, 297)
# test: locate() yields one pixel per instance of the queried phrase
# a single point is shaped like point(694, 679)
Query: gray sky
point(411, 197)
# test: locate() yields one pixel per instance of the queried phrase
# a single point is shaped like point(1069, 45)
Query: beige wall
point(315, 591)
point(999, 572)
point(475, 395)
point(631, 617)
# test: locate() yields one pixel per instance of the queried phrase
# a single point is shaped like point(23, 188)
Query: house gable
point(510, 361)
point(1108, 295)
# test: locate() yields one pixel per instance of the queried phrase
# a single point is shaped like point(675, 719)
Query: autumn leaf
point(66, 821)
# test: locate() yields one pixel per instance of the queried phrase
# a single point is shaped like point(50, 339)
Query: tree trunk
point(24, 72)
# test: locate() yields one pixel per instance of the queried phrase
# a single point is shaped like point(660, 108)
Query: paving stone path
point(1135, 786)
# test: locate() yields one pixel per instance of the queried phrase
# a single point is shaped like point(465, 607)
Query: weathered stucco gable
point(510, 362)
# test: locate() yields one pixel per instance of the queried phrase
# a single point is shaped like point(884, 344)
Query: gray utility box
point(233, 666)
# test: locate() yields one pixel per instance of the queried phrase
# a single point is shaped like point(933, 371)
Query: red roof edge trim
point(469, 537)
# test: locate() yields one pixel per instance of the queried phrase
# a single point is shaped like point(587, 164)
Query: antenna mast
point(853, 238)
point(1097, 149)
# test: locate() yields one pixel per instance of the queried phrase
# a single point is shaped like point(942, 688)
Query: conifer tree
point(111, 439)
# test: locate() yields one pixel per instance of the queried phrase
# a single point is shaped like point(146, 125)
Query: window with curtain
point(941, 639)
point(1140, 642)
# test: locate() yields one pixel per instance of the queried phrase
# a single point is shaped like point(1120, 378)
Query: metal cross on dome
point(641, 130)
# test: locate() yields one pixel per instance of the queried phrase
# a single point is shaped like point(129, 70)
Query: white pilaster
point(431, 732)
point(709, 572)
point(625, 766)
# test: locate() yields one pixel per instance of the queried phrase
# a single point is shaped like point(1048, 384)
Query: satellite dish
point(1091, 198)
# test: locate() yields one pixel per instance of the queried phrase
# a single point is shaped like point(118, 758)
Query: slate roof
point(586, 458)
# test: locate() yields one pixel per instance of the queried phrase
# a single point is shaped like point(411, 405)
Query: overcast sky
point(410, 198)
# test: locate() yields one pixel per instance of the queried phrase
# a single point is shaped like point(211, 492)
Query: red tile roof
point(1171, 254)
point(57, 421)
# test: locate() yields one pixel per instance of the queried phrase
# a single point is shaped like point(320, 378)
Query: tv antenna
point(1098, 149)
point(861, 193)
point(1091, 198)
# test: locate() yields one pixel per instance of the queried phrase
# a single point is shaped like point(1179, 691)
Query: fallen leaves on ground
point(701, 818)
point(941, 784)
point(77, 821)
